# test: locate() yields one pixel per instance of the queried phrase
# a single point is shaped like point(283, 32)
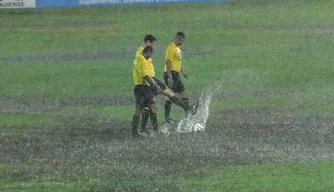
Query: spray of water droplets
point(201, 116)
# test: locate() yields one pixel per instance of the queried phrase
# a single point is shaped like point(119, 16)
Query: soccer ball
point(198, 127)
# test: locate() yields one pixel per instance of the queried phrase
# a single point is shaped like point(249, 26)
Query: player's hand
point(170, 82)
point(185, 76)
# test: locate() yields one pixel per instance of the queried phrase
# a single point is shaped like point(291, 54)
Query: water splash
point(202, 115)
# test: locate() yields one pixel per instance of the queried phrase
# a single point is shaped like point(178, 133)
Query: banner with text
point(75, 3)
point(17, 4)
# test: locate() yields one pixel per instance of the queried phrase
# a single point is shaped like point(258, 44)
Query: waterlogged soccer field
point(66, 98)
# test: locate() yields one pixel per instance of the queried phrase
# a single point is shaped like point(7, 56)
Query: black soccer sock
point(167, 109)
point(186, 102)
point(154, 121)
point(180, 103)
point(144, 119)
point(135, 122)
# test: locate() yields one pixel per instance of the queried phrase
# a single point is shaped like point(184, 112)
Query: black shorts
point(178, 86)
point(144, 95)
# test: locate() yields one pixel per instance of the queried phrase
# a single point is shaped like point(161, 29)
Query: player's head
point(147, 52)
point(179, 38)
point(150, 40)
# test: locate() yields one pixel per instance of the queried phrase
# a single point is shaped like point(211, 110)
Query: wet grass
point(266, 177)
point(66, 98)
point(96, 153)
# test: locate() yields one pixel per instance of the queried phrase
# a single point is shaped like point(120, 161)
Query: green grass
point(317, 176)
point(296, 177)
point(66, 94)
point(21, 124)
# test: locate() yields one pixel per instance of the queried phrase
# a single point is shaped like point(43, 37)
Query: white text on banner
point(17, 4)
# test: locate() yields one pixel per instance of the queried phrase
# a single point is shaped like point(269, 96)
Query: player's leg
point(172, 96)
point(140, 103)
point(167, 109)
point(151, 110)
point(175, 99)
point(192, 108)
point(135, 122)
point(144, 118)
point(182, 102)
point(179, 88)
point(168, 102)
point(154, 117)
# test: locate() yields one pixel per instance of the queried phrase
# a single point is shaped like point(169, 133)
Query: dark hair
point(180, 34)
point(148, 49)
point(150, 38)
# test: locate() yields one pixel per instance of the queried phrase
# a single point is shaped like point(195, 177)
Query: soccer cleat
point(145, 133)
point(136, 135)
point(146, 109)
point(169, 120)
point(193, 108)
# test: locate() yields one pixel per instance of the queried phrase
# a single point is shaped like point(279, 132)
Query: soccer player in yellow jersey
point(172, 71)
point(144, 95)
point(149, 40)
point(146, 87)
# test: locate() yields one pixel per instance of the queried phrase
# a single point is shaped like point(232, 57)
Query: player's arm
point(183, 73)
point(169, 74)
point(152, 82)
point(168, 64)
point(168, 61)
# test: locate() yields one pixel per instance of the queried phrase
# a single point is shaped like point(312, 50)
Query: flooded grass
point(66, 98)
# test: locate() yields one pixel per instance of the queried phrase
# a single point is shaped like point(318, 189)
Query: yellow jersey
point(150, 66)
point(140, 69)
point(174, 54)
